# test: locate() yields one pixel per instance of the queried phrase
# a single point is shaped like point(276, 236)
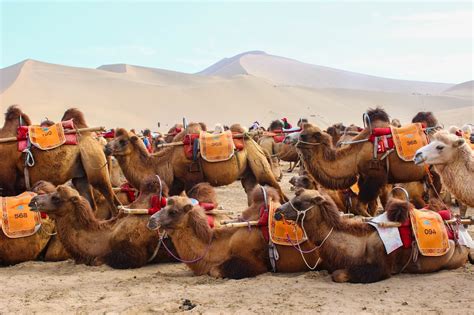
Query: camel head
point(305, 201)
point(302, 181)
point(291, 138)
point(57, 203)
point(43, 187)
point(173, 216)
point(442, 150)
point(122, 144)
point(312, 136)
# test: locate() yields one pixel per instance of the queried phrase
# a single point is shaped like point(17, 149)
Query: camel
point(453, 160)
point(336, 131)
point(121, 242)
point(226, 252)
point(180, 173)
point(354, 249)
point(343, 167)
point(84, 163)
point(18, 250)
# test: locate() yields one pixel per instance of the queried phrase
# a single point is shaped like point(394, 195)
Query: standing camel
point(341, 168)
point(84, 163)
point(176, 170)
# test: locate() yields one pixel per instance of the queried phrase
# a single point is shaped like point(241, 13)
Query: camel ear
point(75, 199)
point(459, 142)
point(299, 191)
point(317, 135)
point(188, 207)
point(134, 138)
point(317, 200)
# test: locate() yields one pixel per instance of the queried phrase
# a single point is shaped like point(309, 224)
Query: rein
point(302, 213)
point(183, 260)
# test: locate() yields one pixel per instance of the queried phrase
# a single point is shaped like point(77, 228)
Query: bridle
point(302, 214)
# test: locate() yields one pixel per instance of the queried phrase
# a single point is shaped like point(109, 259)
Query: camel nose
point(418, 158)
point(108, 150)
point(153, 222)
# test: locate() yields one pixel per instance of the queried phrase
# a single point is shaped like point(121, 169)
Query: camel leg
point(248, 182)
point(462, 209)
point(82, 186)
point(370, 187)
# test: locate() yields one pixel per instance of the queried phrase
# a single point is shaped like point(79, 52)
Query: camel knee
point(341, 275)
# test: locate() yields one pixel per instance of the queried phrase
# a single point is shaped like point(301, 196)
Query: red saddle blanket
point(23, 137)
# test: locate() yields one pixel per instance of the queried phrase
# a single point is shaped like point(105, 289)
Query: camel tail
point(126, 256)
point(367, 273)
point(239, 268)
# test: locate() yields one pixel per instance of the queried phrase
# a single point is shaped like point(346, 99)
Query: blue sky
point(422, 40)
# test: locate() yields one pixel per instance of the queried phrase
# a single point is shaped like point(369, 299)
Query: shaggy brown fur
point(398, 210)
point(175, 169)
point(122, 242)
point(14, 113)
point(339, 168)
point(428, 118)
point(365, 260)
point(77, 116)
point(81, 163)
point(203, 192)
point(378, 114)
point(275, 125)
point(336, 131)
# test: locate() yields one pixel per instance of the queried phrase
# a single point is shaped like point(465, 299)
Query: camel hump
point(15, 112)
point(378, 114)
point(77, 116)
point(397, 210)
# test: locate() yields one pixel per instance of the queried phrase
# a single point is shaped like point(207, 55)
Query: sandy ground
point(64, 287)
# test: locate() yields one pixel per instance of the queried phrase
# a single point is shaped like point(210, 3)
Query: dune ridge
point(138, 97)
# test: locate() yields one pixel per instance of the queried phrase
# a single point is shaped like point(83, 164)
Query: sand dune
point(465, 89)
point(138, 97)
point(286, 71)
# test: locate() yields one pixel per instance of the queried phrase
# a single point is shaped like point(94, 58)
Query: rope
point(186, 261)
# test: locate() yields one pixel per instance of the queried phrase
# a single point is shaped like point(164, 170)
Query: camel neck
point(333, 168)
point(83, 240)
point(138, 165)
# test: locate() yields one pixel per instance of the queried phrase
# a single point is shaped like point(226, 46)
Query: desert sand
point(247, 87)
point(65, 287)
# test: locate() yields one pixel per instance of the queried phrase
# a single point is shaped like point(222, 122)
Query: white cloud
point(435, 25)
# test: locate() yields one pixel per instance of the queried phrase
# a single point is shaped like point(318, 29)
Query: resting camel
point(17, 250)
point(453, 160)
point(343, 167)
point(84, 163)
point(354, 249)
point(121, 242)
point(178, 172)
point(226, 252)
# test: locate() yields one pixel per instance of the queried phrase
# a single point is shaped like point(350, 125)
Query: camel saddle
point(17, 219)
point(284, 232)
point(46, 137)
point(430, 232)
point(216, 147)
point(408, 139)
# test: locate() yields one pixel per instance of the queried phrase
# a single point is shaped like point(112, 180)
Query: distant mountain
point(284, 71)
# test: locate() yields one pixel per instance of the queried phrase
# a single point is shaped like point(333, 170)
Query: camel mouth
point(153, 224)
point(33, 205)
point(419, 159)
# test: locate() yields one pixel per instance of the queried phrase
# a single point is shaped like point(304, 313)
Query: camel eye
point(55, 199)
point(123, 142)
point(439, 148)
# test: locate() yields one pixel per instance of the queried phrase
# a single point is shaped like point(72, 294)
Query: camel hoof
point(340, 275)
